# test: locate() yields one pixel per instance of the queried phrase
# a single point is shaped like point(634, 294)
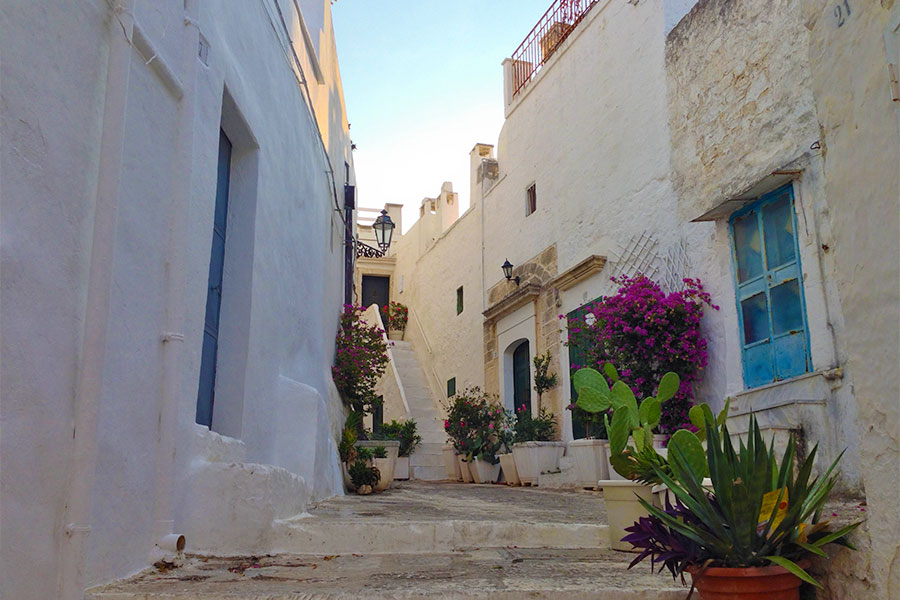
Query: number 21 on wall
point(841, 11)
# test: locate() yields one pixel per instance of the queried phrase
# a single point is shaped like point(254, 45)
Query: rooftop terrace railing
point(550, 31)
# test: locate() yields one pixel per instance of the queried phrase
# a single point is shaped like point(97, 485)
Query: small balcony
point(551, 30)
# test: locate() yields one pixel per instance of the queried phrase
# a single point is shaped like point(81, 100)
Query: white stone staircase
point(426, 462)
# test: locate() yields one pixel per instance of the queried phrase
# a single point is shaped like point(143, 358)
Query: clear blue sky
point(423, 83)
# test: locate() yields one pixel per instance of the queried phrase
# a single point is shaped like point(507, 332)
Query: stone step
point(426, 460)
point(390, 536)
point(423, 473)
point(495, 573)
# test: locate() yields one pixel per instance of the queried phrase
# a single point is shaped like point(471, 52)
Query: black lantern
point(507, 272)
point(384, 229)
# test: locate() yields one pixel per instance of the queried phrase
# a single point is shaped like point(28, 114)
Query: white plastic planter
point(510, 473)
point(451, 464)
point(483, 471)
point(534, 458)
point(385, 465)
point(464, 469)
point(591, 461)
point(623, 508)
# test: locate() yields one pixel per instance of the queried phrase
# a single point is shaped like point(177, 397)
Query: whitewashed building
point(173, 267)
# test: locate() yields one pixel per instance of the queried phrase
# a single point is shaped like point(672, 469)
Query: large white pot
point(534, 458)
point(451, 464)
point(464, 469)
point(623, 509)
point(483, 471)
point(401, 469)
point(385, 465)
point(510, 473)
point(590, 461)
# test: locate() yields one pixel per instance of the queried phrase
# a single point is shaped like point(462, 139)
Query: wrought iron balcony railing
point(550, 31)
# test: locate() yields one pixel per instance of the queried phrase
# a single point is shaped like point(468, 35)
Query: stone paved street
point(440, 540)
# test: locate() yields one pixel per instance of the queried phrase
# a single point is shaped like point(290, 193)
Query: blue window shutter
point(769, 289)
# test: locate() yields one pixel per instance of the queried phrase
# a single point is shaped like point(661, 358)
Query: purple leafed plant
point(665, 547)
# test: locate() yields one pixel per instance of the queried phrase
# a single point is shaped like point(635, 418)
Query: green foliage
point(732, 527)
point(395, 316)
point(345, 448)
point(474, 422)
point(361, 473)
point(543, 380)
point(535, 429)
point(366, 454)
point(404, 432)
point(379, 452)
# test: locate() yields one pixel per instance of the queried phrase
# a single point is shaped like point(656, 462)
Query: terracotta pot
point(752, 583)
point(510, 473)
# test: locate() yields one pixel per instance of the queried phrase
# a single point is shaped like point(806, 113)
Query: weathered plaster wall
point(282, 285)
point(860, 127)
point(734, 121)
point(740, 102)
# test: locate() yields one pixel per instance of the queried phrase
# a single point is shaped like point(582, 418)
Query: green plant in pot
point(536, 450)
point(364, 475)
point(405, 433)
point(753, 532)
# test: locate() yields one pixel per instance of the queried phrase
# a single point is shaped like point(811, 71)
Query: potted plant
point(364, 475)
point(468, 418)
point(506, 433)
point(631, 451)
point(536, 450)
point(395, 317)
point(386, 459)
point(751, 535)
point(346, 449)
point(543, 379)
point(405, 433)
point(591, 455)
point(489, 440)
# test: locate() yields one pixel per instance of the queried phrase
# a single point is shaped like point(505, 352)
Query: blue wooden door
point(207, 388)
point(769, 284)
point(521, 378)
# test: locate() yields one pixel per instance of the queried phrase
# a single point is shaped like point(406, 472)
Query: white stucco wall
point(282, 288)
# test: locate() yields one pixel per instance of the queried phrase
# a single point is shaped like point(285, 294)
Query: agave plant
point(759, 512)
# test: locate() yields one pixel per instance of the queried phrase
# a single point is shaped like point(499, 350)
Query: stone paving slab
point(502, 574)
point(444, 501)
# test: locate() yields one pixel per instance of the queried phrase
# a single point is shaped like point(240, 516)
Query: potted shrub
point(591, 455)
point(489, 440)
point(364, 475)
point(631, 451)
point(405, 433)
point(535, 450)
point(395, 317)
point(751, 536)
point(386, 462)
point(347, 451)
point(468, 420)
point(506, 433)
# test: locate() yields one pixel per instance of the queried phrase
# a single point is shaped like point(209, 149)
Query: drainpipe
point(77, 511)
point(166, 541)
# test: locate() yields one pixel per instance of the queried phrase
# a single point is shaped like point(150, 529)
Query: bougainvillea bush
point(477, 425)
point(645, 333)
point(360, 359)
point(395, 316)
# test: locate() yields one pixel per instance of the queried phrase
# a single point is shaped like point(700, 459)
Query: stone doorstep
point(502, 574)
point(423, 473)
point(388, 536)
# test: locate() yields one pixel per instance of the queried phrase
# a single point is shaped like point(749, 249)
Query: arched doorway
point(521, 377)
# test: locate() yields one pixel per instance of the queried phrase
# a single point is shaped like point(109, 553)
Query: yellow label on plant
point(768, 507)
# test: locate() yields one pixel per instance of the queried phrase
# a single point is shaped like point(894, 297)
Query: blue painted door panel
point(522, 378)
point(768, 280)
point(207, 388)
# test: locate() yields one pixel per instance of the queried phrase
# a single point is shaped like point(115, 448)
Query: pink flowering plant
point(395, 316)
point(644, 333)
point(476, 424)
point(360, 359)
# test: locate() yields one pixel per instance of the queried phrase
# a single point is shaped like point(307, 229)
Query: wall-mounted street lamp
point(507, 272)
point(384, 230)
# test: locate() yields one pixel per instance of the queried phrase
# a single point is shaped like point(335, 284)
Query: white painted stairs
point(426, 462)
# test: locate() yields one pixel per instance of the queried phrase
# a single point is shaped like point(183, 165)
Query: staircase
point(426, 462)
